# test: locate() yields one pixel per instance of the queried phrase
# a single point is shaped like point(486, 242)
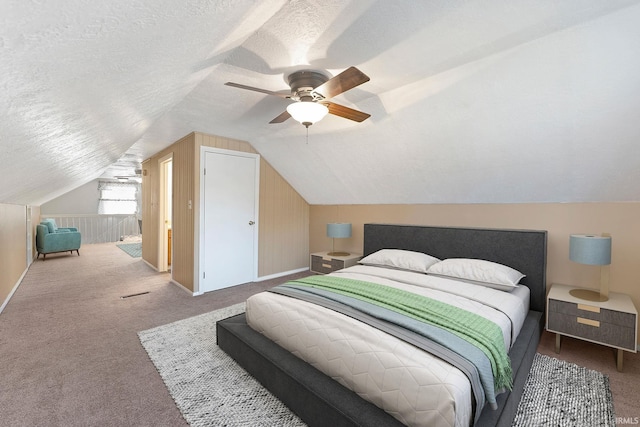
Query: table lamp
point(592, 250)
point(338, 230)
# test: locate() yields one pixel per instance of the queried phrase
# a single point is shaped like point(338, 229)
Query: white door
point(229, 211)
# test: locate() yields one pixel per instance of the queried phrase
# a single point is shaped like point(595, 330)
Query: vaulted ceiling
point(494, 101)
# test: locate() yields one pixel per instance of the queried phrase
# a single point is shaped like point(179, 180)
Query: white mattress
point(416, 388)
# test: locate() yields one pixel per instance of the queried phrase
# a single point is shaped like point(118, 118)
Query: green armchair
point(50, 238)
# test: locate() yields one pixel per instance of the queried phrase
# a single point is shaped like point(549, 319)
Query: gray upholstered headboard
point(524, 250)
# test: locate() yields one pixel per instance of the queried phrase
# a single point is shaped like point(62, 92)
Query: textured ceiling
point(471, 101)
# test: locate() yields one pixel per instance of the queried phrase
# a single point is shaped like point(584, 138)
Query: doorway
point(165, 199)
point(229, 212)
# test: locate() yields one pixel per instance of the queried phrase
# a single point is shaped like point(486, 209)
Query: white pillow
point(477, 271)
point(400, 259)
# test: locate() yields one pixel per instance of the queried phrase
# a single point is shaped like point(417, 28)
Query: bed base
point(320, 401)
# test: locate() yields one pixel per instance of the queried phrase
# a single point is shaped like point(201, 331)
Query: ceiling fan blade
point(281, 94)
point(281, 118)
point(348, 79)
point(346, 112)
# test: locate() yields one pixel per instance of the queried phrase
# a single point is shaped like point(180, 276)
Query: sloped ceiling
point(471, 101)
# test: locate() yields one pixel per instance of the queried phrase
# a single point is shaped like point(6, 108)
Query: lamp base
point(588, 295)
point(338, 254)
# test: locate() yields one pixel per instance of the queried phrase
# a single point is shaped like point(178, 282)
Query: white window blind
point(117, 198)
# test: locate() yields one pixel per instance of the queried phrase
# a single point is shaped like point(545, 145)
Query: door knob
point(251, 222)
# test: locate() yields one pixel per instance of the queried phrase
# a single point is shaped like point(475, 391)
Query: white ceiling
point(496, 101)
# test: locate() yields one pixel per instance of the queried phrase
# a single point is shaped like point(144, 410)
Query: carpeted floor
point(69, 343)
point(71, 355)
point(209, 387)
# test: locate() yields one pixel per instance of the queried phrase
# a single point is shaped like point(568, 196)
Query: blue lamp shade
point(339, 230)
point(590, 249)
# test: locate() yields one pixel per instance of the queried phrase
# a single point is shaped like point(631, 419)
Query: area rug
point(133, 249)
point(210, 389)
point(558, 393)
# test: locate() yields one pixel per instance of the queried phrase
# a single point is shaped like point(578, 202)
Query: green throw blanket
point(471, 327)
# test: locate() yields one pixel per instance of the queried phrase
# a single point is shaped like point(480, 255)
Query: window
point(117, 198)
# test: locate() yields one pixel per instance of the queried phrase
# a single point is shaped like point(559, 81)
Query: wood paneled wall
point(149, 211)
point(13, 248)
point(283, 235)
point(621, 220)
point(283, 222)
point(182, 235)
point(35, 220)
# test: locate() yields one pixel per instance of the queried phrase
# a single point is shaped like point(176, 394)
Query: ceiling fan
point(311, 90)
point(136, 177)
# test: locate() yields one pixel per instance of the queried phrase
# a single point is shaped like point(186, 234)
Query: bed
point(321, 400)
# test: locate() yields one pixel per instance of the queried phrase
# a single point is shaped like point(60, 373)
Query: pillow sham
point(479, 272)
point(400, 259)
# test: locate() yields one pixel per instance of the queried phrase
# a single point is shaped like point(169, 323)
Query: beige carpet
point(69, 349)
point(71, 355)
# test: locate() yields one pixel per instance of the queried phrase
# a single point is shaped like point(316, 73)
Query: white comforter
point(416, 388)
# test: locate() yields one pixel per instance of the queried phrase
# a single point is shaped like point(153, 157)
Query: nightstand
point(613, 323)
point(322, 262)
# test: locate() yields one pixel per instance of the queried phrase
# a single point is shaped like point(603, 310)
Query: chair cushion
point(51, 225)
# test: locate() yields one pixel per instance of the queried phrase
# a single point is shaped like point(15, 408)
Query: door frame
point(200, 240)
point(163, 205)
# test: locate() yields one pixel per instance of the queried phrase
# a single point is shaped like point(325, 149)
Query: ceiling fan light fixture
point(307, 112)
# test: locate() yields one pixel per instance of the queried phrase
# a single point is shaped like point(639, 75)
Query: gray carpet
point(210, 389)
point(133, 249)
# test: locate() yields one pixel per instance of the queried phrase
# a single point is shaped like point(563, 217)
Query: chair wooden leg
point(78, 251)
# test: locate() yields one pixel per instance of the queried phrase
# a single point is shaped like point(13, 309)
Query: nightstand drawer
point(326, 262)
point(592, 329)
point(587, 311)
point(326, 266)
point(611, 322)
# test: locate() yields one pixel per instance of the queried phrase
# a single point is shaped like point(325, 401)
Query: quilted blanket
point(415, 385)
point(475, 343)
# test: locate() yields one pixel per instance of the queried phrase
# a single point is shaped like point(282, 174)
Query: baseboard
point(284, 273)
point(149, 264)
point(184, 288)
point(13, 291)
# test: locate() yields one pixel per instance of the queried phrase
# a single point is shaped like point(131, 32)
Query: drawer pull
point(326, 265)
point(588, 322)
point(589, 308)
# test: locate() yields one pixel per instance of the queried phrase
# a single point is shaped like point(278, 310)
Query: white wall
point(83, 200)
point(79, 208)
